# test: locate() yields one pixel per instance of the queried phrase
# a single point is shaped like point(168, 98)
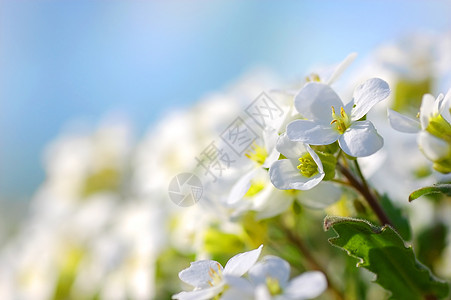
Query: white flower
point(207, 276)
point(318, 102)
point(302, 169)
point(430, 108)
point(271, 278)
point(433, 128)
point(254, 185)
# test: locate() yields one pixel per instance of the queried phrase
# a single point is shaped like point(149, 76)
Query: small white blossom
point(302, 170)
point(271, 278)
point(433, 128)
point(207, 276)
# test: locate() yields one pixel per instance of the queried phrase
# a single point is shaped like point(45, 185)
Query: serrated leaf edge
point(330, 221)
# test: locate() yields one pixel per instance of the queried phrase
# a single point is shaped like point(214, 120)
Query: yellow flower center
point(313, 77)
point(439, 127)
point(307, 165)
point(256, 187)
point(257, 154)
point(273, 286)
point(215, 275)
point(341, 122)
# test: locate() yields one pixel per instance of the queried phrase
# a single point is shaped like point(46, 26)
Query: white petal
point(272, 157)
point(342, 67)
point(270, 266)
point(360, 139)
point(262, 293)
point(426, 109)
point(285, 175)
point(241, 187)
point(238, 288)
point(367, 95)
point(437, 104)
point(433, 147)
point(197, 274)
point(307, 285)
point(262, 198)
point(203, 294)
point(314, 101)
point(315, 158)
point(403, 123)
point(289, 148)
point(238, 283)
point(321, 196)
point(270, 137)
point(276, 203)
point(445, 107)
point(234, 294)
point(348, 107)
point(241, 263)
point(311, 132)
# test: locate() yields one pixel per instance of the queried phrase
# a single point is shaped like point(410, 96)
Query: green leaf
point(382, 251)
point(444, 188)
point(395, 214)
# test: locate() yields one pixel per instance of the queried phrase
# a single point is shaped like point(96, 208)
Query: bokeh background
point(67, 66)
point(70, 63)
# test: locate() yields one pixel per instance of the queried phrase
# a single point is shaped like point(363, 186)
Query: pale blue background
point(65, 60)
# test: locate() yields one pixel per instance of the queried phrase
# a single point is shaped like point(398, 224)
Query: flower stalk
point(364, 190)
point(314, 264)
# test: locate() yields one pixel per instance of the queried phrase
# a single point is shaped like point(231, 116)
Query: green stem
point(314, 264)
point(359, 172)
point(342, 182)
point(363, 189)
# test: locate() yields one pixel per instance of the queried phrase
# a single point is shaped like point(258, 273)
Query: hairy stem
point(363, 189)
point(359, 172)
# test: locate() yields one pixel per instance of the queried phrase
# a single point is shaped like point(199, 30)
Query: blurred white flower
point(327, 75)
point(271, 279)
point(433, 128)
point(207, 276)
point(252, 187)
point(330, 75)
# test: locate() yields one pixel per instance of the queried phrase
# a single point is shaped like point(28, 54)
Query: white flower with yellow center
point(254, 186)
point(271, 278)
point(301, 170)
point(328, 119)
point(433, 128)
point(208, 276)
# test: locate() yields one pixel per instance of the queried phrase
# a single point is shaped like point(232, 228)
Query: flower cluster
point(267, 279)
point(320, 127)
point(273, 167)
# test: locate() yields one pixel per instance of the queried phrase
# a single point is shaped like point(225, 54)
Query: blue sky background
point(66, 60)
